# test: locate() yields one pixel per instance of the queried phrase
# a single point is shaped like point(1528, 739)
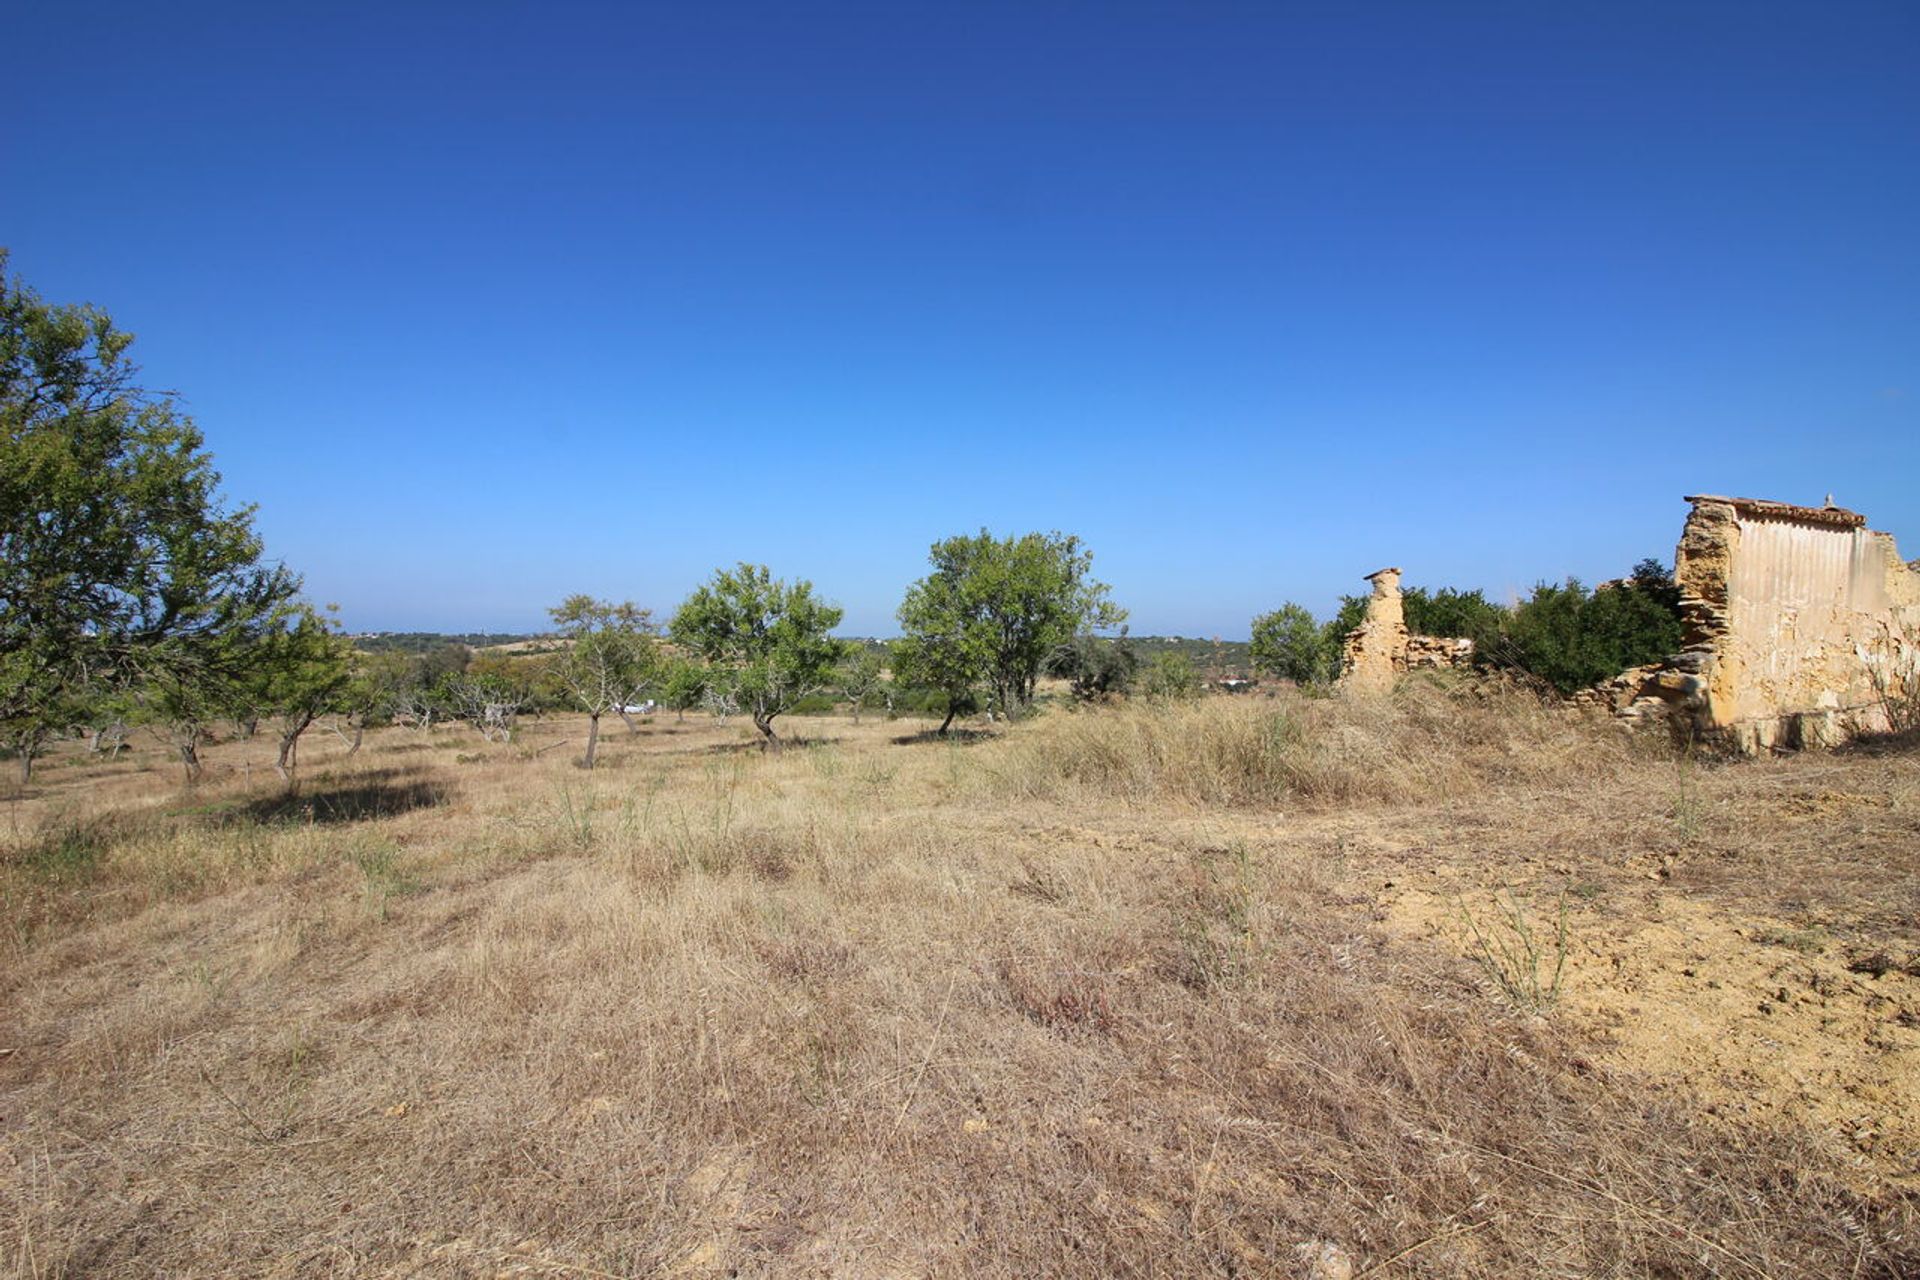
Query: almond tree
point(942, 646)
point(610, 659)
point(300, 668)
point(375, 694)
point(766, 643)
point(860, 677)
point(489, 701)
point(995, 611)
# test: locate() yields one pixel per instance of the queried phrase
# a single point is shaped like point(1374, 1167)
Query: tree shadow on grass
point(958, 737)
point(402, 748)
point(65, 853)
point(758, 746)
point(753, 747)
point(382, 793)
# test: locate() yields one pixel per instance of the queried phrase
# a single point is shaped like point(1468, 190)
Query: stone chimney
point(1375, 654)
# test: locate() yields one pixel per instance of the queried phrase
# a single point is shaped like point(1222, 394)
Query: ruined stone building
point(1379, 651)
point(1801, 627)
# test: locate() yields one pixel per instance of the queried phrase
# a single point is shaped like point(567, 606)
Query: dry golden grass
point(1425, 745)
point(1130, 991)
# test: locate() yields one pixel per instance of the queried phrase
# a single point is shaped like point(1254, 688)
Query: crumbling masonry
point(1800, 628)
point(1379, 651)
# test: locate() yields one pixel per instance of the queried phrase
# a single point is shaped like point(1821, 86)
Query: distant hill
point(427, 641)
point(1213, 658)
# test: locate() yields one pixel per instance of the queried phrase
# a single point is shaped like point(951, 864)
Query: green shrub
point(814, 704)
point(1570, 637)
point(1171, 675)
point(1447, 612)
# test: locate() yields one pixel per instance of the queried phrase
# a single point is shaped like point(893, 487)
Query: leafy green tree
point(108, 714)
point(1095, 667)
point(995, 611)
point(940, 654)
point(683, 685)
point(1333, 636)
point(767, 643)
point(295, 671)
point(181, 710)
point(609, 661)
point(945, 646)
point(181, 703)
point(36, 710)
point(373, 695)
point(118, 561)
point(1290, 645)
point(861, 676)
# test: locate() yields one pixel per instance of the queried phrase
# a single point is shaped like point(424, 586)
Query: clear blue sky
point(484, 304)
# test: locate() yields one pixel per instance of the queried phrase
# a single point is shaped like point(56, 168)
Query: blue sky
point(486, 304)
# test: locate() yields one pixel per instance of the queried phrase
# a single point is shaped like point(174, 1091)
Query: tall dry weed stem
point(1524, 959)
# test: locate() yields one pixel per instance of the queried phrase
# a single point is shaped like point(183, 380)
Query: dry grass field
point(1449, 986)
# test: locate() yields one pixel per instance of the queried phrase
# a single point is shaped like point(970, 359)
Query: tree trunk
point(26, 765)
point(593, 738)
point(628, 721)
point(290, 731)
point(765, 725)
point(948, 722)
point(190, 759)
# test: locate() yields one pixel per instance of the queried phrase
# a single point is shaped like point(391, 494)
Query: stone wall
point(1435, 653)
point(1379, 651)
point(1802, 626)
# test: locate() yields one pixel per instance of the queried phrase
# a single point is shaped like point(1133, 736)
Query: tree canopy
point(1290, 645)
point(118, 558)
point(995, 612)
point(301, 669)
point(766, 643)
point(610, 659)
